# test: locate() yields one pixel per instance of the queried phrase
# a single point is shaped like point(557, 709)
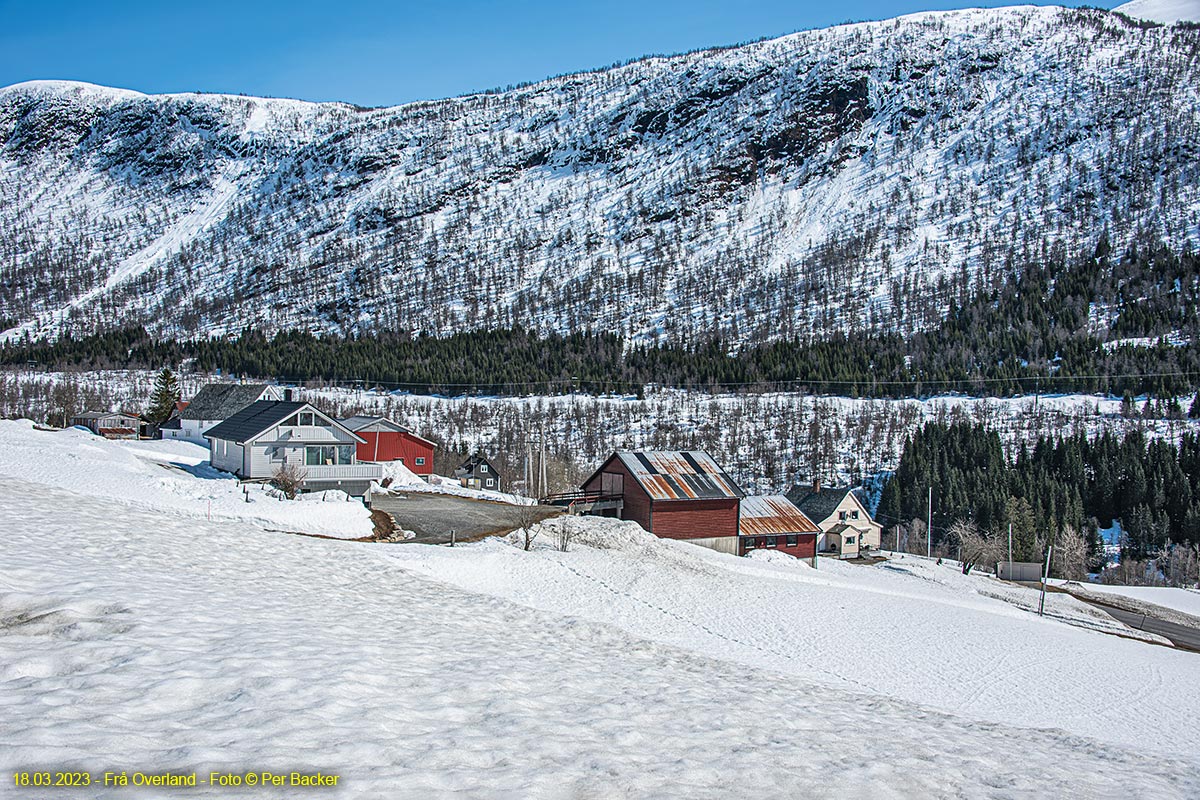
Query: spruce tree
point(164, 397)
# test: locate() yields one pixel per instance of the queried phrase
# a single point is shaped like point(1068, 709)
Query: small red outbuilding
point(390, 441)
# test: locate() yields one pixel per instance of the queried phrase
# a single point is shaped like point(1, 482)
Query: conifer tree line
point(1058, 325)
point(1072, 483)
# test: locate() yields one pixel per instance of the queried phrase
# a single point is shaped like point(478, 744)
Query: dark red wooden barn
point(673, 494)
point(390, 441)
point(774, 523)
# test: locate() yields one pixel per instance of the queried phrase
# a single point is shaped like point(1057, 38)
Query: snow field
point(134, 639)
point(172, 477)
point(907, 629)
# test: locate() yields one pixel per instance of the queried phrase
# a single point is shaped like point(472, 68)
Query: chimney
point(287, 395)
point(816, 485)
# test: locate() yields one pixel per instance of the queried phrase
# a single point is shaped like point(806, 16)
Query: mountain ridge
point(856, 177)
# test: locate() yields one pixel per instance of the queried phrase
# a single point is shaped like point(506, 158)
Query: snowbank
point(908, 629)
point(170, 476)
point(174, 643)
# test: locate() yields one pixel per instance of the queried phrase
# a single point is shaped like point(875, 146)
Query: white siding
point(226, 456)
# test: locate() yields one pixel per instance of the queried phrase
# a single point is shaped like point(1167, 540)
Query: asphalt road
point(433, 516)
point(1180, 635)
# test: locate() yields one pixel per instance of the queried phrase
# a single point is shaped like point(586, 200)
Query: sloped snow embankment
point(172, 477)
point(914, 631)
point(154, 641)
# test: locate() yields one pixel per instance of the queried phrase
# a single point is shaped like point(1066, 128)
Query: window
point(483, 468)
point(420, 461)
point(791, 540)
point(306, 418)
point(842, 516)
point(853, 515)
point(490, 481)
point(771, 541)
point(747, 543)
point(291, 422)
point(849, 540)
point(328, 455)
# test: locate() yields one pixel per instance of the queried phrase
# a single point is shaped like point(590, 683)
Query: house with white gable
point(214, 403)
point(268, 436)
point(847, 530)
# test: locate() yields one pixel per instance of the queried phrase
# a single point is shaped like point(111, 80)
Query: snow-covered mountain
point(1165, 11)
point(826, 180)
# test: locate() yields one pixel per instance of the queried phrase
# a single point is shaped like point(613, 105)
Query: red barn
point(673, 494)
point(391, 441)
point(774, 523)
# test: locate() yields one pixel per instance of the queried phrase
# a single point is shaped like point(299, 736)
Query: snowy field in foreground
point(909, 629)
point(134, 639)
point(135, 633)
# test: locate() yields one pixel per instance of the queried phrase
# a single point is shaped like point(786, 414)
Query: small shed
point(673, 494)
point(772, 522)
point(386, 440)
point(109, 424)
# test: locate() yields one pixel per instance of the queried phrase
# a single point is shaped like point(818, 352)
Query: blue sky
point(380, 53)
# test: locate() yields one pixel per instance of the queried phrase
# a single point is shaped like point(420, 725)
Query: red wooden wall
point(805, 547)
point(396, 446)
point(694, 519)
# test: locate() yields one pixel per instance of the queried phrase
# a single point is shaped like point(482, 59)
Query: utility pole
point(1010, 551)
point(1045, 577)
point(929, 527)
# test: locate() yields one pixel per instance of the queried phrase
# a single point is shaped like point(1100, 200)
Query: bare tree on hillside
point(1070, 554)
point(975, 546)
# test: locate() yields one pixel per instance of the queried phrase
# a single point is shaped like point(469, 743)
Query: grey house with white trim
point(267, 435)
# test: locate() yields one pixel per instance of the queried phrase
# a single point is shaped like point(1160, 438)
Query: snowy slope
point(1165, 11)
point(821, 181)
point(910, 630)
point(1184, 600)
point(131, 639)
point(170, 477)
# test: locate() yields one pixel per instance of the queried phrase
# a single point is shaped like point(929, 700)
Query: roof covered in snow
point(679, 475)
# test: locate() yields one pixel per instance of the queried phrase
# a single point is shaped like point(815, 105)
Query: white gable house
point(215, 403)
point(266, 436)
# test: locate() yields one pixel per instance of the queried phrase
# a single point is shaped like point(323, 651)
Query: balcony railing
point(324, 472)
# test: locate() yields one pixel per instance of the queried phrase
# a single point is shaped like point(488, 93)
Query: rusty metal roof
point(773, 515)
point(679, 475)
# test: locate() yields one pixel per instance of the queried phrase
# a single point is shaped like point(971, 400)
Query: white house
point(847, 529)
point(216, 402)
point(268, 435)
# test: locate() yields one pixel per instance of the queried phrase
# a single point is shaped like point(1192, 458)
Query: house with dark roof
point(772, 522)
point(268, 436)
point(387, 440)
point(478, 473)
point(847, 529)
point(216, 402)
point(109, 424)
point(673, 494)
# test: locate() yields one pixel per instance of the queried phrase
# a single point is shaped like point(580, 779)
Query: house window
point(328, 455)
point(747, 544)
point(490, 481)
point(306, 418)
point(842, 516)
point(483, 467)
point(791, 540)
point(420, 461)
point(849, 540)
point(853, 515)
